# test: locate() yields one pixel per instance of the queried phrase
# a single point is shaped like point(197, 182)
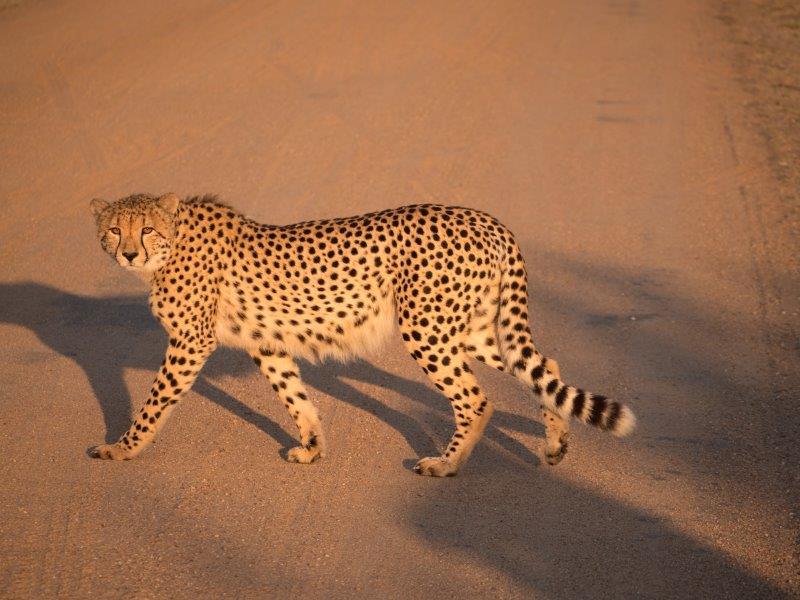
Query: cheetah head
point(138, 230)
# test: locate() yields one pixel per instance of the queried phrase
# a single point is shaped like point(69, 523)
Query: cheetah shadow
point(105, 336)
point(328, 378)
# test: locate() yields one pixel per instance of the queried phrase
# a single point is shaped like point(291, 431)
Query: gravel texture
point(619, 141)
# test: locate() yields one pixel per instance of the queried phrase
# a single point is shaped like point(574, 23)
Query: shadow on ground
point(575, 545)
point(106, 336)
point(714, 363)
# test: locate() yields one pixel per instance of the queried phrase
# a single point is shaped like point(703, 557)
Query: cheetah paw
point(308, 453)
point(110, 452)
point(435, 466)
point(555, 456)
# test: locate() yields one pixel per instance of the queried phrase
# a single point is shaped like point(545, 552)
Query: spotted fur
point(452, 279)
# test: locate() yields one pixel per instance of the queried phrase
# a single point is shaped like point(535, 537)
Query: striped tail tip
point(625, 423)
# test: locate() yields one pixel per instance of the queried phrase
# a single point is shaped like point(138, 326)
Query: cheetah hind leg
point(556, 428)
point(472, 410)
point(449, 464)
point(482, 346)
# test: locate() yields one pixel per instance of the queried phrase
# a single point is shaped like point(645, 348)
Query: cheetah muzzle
point(453, 279)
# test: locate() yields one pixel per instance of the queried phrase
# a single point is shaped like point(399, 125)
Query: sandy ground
point(612, 136)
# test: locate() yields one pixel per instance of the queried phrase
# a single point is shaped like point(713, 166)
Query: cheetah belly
point(320, 335)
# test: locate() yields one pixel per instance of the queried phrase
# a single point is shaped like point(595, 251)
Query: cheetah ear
point(169, 202)
point(98, 205)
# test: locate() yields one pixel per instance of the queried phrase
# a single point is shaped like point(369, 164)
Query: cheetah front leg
point(282, 372)
point(178, 372)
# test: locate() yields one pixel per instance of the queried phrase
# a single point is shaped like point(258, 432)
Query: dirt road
point(609, 135)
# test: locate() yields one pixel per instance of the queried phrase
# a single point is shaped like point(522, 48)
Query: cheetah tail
point(592, 409)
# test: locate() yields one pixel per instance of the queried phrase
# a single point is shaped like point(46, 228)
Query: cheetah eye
point(147, 230)
point(115, 230)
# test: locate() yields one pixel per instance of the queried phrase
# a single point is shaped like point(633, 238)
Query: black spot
point(577, 404)
point(598, 406)
point(562, 396)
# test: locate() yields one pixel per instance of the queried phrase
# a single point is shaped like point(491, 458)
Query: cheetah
point(452, 279)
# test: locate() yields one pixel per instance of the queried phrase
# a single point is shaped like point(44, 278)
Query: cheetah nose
point(130, 255)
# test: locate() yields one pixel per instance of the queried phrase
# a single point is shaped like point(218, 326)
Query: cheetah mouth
point(130, 267)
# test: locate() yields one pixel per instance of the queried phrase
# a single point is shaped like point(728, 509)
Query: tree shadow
point(105, 336)
point(713, 363)
point(557, 540)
